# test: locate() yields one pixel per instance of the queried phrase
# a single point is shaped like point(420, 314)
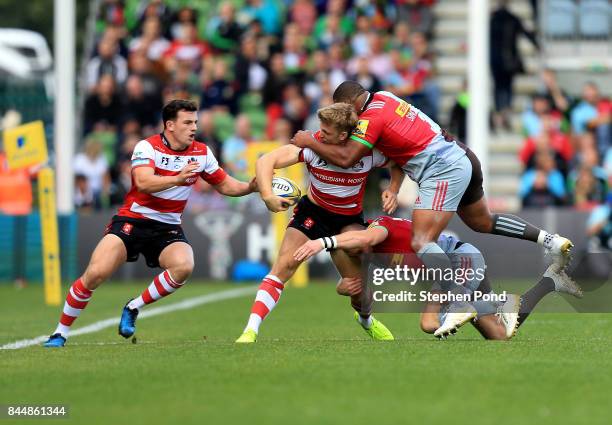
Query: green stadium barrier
point(21, 247)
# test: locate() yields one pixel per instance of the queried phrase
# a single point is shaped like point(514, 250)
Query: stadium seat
point(594, 18)
point(250, 102)
point(258, 120)
point(559, 18)
point(224, 125)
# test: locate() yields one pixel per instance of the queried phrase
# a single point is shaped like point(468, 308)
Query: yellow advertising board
point(25, 145)
point(280, 220)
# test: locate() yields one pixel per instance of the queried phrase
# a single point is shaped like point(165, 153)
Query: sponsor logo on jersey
point(359, 166)
point(165, 160)
point(362, 128)
point(402, 109)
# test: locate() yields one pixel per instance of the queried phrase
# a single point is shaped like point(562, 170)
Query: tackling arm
point(356, 239)
point(345, 155)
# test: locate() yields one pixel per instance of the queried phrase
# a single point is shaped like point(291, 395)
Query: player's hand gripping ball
point(287, 189)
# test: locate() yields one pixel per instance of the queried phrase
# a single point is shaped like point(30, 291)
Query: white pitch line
point(155, 311)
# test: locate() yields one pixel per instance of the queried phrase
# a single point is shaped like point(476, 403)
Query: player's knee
point(182, 270)
point(93, 277)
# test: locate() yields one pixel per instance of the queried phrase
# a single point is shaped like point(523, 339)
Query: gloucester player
point(333, 205)
point(164, 168)
point(494, 320)
point(447, 172)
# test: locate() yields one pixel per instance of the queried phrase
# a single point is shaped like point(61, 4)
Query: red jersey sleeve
point(369, 127)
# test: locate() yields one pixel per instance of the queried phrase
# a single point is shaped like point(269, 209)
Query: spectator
point(416, 14)
point(152, 85)
point(593, 113)
point(186, 48)
point(206, 133)
point(304, 14)
point(402, 40)
point(321, 74)
point(506, 62)
point(557, 97)
point(234, 149)
point(295, 106)
point(103, 106)
point(107, 62)
point(83, 195)
point(183, 84)
point(542, 185)
point(151, 40)
point(283, 132)
point(588, 183)
point(267, 13)
point(155, 9)
point(92, 164)
point(337, 10)
point(532, 118)
point(550, 139)
point(360, 43)
point(379, 61)
point(599, 226)
point(250, 72)
point(363, 76)
point(294, 53)
point(276, 81)
point(217, 93)
point(186, 17)
point(331, 33)
point(137, 106)
point(223, 31)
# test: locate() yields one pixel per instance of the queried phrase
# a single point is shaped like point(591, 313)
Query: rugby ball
point(287, 189)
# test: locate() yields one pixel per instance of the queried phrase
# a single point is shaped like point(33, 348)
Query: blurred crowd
point(567, 152)
point(259, 69)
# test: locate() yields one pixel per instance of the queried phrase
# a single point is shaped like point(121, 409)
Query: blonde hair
point(341, 115)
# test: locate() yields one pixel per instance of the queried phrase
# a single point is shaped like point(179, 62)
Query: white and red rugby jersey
point(339, 190)
point(167, 205)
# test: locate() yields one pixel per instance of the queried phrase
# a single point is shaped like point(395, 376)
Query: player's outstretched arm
point(233, 187)
point(356, 239)
point(264, 170)
point(345, 155)
point(146, 181)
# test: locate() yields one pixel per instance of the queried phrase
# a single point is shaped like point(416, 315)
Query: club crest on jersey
point(308, 223)
point(362, 128)
point(165, 160)
point(127, 228)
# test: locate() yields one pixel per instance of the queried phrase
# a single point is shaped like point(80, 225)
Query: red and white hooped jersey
point(339, 190)
point(167, 205)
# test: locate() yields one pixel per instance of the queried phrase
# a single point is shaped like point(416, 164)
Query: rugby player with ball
point(332, 205)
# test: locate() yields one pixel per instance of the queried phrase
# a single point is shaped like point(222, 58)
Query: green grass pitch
point(312, 365)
